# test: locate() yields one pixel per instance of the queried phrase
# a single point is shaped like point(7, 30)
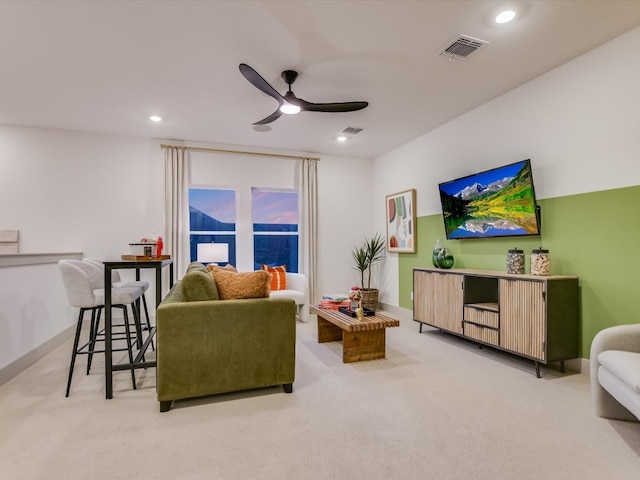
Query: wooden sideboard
point(533, 316)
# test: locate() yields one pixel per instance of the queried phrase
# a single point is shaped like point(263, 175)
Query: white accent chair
point(82, 286)
point(615, 372)
point(298, 291)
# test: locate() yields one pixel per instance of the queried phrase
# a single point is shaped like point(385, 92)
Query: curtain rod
point(220, 150)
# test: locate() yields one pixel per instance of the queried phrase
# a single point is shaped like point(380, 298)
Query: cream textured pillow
point(212, 267)
point(234, 285)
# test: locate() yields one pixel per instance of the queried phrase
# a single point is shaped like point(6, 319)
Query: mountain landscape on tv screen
point(503, 207)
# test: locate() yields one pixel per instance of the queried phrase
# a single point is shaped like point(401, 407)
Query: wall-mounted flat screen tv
point(497, 203)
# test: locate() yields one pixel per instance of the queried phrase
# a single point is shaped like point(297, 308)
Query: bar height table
point(109, 266)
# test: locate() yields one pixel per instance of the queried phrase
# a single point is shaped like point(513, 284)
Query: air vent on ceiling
point(351, 130)
point(462, 47)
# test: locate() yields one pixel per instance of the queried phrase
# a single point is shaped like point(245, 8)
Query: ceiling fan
point(289, 103)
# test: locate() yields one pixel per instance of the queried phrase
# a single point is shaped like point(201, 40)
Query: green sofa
point(210, 346)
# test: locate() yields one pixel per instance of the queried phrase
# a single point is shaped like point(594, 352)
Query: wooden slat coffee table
point(361, 339)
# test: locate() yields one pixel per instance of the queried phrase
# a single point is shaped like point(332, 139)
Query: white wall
point(81, 192)
point(67, 192)
point(33, 310)
point(345, 196)
point(577, 123)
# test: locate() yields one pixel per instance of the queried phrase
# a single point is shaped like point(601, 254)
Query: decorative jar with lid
point(515, 261)
point(540, 262)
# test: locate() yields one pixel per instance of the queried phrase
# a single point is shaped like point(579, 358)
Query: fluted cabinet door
point(438, 300)
point(449, 301)
point(523, 317)
point(421, 289)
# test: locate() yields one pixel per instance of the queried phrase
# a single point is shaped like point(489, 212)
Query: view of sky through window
point(273, 207)
point(218, 204)
point(274, 215)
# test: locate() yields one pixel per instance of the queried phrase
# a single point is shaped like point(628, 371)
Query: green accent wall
point(595, 236)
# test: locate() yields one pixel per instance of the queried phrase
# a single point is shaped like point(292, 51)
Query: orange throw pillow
point(278, 276)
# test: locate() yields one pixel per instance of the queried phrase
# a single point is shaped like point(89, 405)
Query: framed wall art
point(401, 222)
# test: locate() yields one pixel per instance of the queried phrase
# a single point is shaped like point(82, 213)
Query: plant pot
point(370, 298)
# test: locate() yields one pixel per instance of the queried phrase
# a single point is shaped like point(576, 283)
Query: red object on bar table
point(159, 246)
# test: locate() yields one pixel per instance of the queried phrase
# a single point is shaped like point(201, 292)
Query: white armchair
point(298, 290)
point(615, 372)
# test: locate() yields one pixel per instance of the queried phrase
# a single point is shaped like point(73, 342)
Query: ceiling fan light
point(289, 109)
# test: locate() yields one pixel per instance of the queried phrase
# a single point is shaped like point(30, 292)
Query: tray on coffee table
point(347, 311)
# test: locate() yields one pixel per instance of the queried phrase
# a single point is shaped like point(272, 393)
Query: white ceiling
point(105, 66)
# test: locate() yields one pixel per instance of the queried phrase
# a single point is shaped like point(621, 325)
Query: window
point(240, 176)
point(212, 218)
point(275, 228)
point(268, 234)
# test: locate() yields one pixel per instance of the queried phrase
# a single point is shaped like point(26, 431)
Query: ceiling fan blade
point(329, 107)
point(274, 116)
point(260, 83)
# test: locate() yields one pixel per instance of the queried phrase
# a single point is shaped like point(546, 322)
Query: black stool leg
point(129, 349)
point(75, 349)
point(93, 334)
point(146, 313)
point(138, 324)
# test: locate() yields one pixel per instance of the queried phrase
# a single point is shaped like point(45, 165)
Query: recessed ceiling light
point(341, 138)
point(506, 16)
point(155, 118)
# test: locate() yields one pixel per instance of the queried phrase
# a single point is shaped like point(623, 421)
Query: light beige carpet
point(435, 408)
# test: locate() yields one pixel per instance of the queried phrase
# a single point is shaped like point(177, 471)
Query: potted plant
point(365, 255)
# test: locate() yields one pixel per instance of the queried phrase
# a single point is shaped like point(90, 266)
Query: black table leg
point(158, 284)
point(139, 362)
point(108, 360)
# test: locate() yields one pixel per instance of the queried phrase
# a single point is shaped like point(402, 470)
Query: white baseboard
point(22, 363)
point(585, 366)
